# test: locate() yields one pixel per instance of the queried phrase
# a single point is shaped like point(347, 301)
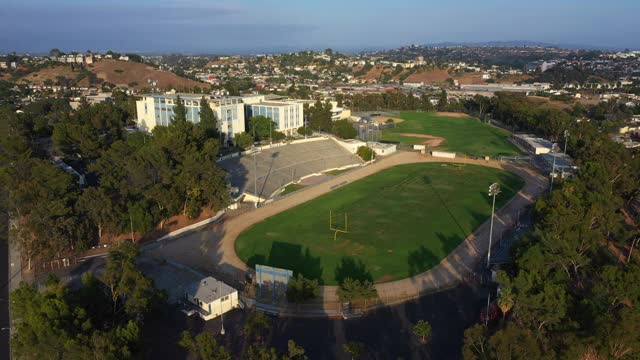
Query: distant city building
point(157, 110)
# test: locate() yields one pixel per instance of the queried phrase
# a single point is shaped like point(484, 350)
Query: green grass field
point(401, 221)
point(466, 135)
point(291, 188)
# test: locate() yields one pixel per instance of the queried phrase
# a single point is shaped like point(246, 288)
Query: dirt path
point(432, 141)
point(212, 249)
point(452, 114)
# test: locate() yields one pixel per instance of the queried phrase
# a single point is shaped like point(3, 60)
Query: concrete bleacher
point(276, 167)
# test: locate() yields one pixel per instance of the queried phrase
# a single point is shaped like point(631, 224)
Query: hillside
point(125, 72)
point(53, 73)
point(428, 76)
point(121, 73)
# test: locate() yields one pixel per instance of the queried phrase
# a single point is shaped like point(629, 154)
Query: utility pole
point(494, 190)
point(221, 313)
point(255, 174)
point(554, 150)
point(131, 224)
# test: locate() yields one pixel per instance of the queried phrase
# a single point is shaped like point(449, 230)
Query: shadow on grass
point(291, 257)
point(421, 260)
point(352, 268)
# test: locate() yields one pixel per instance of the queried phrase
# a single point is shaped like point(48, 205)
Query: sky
point(257, 26)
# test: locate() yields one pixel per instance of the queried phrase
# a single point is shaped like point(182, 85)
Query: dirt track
point(432, 141)
point(212, 249)
point(451, 114)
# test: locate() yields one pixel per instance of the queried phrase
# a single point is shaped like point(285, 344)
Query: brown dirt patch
point(374, 73)
point(383, 119)
point(52, 73)
point(432, 141)
point(429, 76)
point(139, 73)
point(451, 114)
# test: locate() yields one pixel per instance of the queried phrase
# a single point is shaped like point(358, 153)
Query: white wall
point(443, 154)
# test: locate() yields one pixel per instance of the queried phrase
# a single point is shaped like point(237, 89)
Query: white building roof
point(209, 290)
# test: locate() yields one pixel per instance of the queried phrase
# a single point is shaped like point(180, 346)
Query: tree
point(100, 208)
point(243, 141)
point(354, 348)
point(350, 290)
point(320, 116)
point(476, 344)
point(262, 127)
point(179, 111)
point(204, 346)
point(255, 325)
point(208, 119)
point(366, 153)
point(295, 351)
point(301, 289)
point(422, 329)
point(74, 323)
point(344, 129)
point(55, 52)
point(305, 131)
point(130, 291)
point(442, 101)
point(516, 343)
point(505, 301)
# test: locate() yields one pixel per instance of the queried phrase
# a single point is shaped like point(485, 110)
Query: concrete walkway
point(212, 248)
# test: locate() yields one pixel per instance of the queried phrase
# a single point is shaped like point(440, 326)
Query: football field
point(394, 224)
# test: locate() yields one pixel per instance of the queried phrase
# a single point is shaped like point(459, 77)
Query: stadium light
point(255, 173)
point(566, 136)
point(221, 312)
point(554, 151)
point(494, 190)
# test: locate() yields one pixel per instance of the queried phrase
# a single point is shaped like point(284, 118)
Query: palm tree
point(423, 330)
point(505, 301)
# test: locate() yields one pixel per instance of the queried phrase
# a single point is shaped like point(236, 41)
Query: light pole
point(221, 313)
point(255, 174)
point(566, 136)
point(494, 190)
point(554, 151)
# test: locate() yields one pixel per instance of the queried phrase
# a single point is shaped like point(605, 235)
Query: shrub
point(305, 131)
point(344, 129)
point(366, 153)
point(243, 141)
point(301, 289)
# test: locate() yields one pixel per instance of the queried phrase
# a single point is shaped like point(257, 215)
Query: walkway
point(212, 248)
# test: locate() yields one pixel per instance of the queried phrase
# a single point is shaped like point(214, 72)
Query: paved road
point(212, 248)
point(4, 287)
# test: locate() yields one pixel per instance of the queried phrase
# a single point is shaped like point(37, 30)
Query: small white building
point(382, 149)
point(211, 298)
